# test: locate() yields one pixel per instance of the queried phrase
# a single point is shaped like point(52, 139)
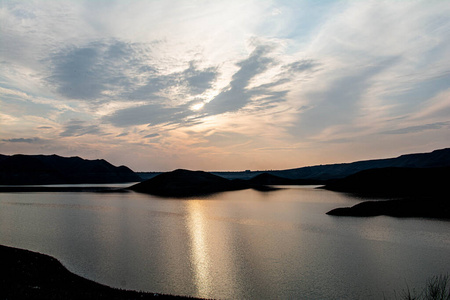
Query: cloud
point(34, 140)
point(152, 114)
point(338, 103)
point(301, 66)
point(155, 84)
point(419, 128)
point(224, 139)
point(122, 134)
point(21, 104)
point(243, 91)
point(235, 96)
point(191, 81)
point(88, 72)
point(280, 73)
point(105, 69)
point(437, 107)
point(151, 135)
point(198, 81)
point(79, 128)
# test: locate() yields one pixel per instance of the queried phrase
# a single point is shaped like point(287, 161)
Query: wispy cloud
point(185, 84)
point(419, 128)
point(339, 102)
point(79, 128)
point(152, 135)
point(34, 140)
point(236, 96)
point(151, 114)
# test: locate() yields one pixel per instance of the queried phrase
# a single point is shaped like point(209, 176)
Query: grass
point(437, 288)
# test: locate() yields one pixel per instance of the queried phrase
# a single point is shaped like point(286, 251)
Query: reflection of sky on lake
point(234, 245)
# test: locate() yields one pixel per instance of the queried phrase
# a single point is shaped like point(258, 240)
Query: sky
point(224, 85)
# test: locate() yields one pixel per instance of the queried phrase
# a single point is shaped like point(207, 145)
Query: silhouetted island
point(186, 183)
point(30, 275)
point(412, 192)
point(53, 169)
point(405, 208)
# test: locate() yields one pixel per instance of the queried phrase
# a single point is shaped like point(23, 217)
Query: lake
point(234, 245)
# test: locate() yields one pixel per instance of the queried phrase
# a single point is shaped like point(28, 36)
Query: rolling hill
point(53, 169)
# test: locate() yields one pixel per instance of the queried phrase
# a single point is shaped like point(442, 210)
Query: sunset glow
point(224, 85)
point(197, 106)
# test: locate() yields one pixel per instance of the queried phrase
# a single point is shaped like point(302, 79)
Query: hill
point(269, 179)
point(394, 182)
point(53, 169)
point(185, 183)
point(413, 192)
point(437, 158)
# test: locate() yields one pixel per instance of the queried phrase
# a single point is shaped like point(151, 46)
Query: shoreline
point(26, 274)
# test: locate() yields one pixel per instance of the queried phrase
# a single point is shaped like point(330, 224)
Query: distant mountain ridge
point(270, 179)
point(53, 169)
point(437, 158)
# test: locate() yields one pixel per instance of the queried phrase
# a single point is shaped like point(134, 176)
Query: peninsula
point(408, 192)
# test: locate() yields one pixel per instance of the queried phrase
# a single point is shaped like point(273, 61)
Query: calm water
point(234, 245)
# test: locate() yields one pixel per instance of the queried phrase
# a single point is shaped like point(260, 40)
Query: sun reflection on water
point(199, 249)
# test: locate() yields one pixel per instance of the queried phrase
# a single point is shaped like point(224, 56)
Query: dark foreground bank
point(29, 275)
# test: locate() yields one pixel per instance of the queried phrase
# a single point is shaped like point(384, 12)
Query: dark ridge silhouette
point(147, 175)
point(394, 182)
point(269, 179)
point(185, 183)
point(416, 192)
point(53, 169)
point(30, 275)
point(61, 189)
point(437, 158)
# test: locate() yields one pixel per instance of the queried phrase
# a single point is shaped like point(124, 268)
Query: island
point(186, 183)
point(401, 192)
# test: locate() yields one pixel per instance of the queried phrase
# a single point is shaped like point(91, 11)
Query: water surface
point(242, 244)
